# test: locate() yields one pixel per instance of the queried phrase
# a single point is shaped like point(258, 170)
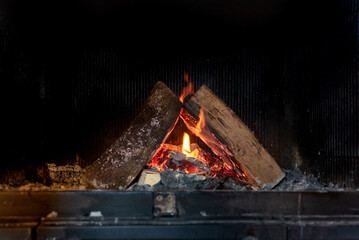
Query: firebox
point(179, 120)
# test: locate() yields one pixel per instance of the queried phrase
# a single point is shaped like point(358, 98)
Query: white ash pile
point(295, 180)
point(154, 180)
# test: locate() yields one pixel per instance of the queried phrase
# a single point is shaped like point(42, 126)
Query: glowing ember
point(220, 150)
point(170, 157)
point(188, 89)
point(192, 159)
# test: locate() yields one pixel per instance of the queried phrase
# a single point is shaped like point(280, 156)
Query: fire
point(204, 164)
point(201, 122)
point(195, 160)
point(188, 89)
point(186, 147)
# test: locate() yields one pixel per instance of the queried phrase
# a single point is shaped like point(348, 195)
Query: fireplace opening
point(181, 119)
point(70, 87)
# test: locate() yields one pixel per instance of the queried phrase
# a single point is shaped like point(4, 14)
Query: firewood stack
point(122, 162)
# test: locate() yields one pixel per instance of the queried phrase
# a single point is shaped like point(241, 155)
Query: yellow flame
point(186, 146)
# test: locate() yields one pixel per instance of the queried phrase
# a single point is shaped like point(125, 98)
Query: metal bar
point(200, 215)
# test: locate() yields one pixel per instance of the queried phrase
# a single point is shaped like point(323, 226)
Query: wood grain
point(259, 166)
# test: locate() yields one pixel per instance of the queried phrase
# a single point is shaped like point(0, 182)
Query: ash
point(178, 180)
point(295, 180)
point(171, 179)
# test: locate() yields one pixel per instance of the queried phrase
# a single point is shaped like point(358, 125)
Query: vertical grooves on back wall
point(258, 83)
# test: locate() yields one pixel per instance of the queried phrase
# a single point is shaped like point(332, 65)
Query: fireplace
point(74, 75)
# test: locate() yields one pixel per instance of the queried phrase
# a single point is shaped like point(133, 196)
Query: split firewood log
point(260, 168)
point(119, 165)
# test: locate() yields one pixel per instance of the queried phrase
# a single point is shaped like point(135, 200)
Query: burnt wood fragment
point(68, 174)
point(124, 159)
point(258, 165)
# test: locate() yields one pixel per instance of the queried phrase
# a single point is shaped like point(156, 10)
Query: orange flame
point(188, 89)
point(219, 164)
point(201, 122)
point(186, 146)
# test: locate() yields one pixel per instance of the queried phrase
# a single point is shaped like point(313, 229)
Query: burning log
point(123, 160)
point(259, 167)
point(220, 150)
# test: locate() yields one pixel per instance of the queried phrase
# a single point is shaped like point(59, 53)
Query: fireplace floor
point(299, 207)
point(294, 180)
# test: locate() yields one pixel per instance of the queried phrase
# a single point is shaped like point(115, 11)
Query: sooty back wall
point(73, 74)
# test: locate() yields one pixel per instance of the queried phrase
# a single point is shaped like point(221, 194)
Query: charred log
point(68, 174)
point(124, 159)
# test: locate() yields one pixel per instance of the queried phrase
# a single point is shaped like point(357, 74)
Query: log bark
point(214, 144)
point(258, 165)
point(124, 159)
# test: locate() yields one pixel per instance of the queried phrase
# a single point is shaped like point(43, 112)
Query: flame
point(205, 164)
point(217, 164)
point(186, 146)
point(188, 89)
point(201, 122)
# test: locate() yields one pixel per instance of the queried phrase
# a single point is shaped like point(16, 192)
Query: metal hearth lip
point(209, 214)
